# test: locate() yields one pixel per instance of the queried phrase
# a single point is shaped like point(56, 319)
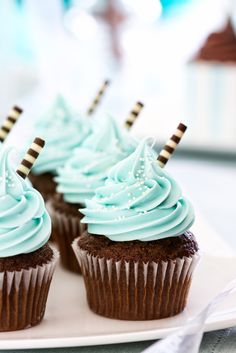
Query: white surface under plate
point(69, 322)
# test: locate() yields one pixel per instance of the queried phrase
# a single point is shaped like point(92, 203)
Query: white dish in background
point(69, 322)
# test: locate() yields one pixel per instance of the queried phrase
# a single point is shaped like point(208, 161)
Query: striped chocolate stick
point(171, 145)
point(98, 97)
point(133, 115)
point(9, 122)
point(30, 157)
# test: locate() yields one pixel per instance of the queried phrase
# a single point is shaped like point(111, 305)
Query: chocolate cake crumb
point(158, 250)
point(26, 261)
point(44, 183)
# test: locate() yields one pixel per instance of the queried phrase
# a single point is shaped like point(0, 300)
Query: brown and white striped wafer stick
point(10, 121)
point(171, 145)
point(30, 157)
point(98, 97)
point(133, 115)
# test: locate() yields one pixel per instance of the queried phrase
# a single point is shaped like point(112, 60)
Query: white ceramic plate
point(69, 322)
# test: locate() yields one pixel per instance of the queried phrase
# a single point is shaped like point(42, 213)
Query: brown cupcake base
point(66, 227)
point(23, 294)
point(129, 289)
point(44, 183)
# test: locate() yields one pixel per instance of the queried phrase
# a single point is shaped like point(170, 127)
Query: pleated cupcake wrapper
point(65, 229)
point(136, 290)
point(23, 295)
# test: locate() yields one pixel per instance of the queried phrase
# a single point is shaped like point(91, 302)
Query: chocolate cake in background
point(219, 46)
point(209, 89)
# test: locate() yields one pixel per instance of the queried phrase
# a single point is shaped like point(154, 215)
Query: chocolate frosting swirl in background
point(219, 46)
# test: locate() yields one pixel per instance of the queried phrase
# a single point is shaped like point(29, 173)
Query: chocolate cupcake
point(85, 171)
point(27, 262)
point(138, 256)
point(63, 130)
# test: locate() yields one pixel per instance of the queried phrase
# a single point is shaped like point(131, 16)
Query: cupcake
point(63, 131)
point(85, 171)
point(27, 262)
point(210, 81)
point(138, 254)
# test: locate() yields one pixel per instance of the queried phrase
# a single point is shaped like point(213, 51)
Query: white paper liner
point(65, 229)
point(23, 295)
point(161, 287)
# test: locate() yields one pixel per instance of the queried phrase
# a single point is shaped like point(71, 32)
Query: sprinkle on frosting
point(63, 131)
point(139, 201)
point(88, 167)
point(25, 225)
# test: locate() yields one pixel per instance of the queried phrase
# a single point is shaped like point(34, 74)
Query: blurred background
point(149, 49)
point(145, 47)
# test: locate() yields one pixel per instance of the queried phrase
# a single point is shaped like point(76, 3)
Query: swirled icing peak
point(88, 167)
point(25, 225)
point(139, 201)
point(63, 131)
point(219, 46)
point(58, 112)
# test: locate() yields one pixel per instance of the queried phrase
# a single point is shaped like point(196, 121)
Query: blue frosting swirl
point(88, 167)
point(25, 225)
point(63, 131)
point(140, 201)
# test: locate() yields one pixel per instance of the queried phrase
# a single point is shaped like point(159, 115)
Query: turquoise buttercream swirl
point(139, 201)
point(63, 131)
point(25, 225)
point(88, 167)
